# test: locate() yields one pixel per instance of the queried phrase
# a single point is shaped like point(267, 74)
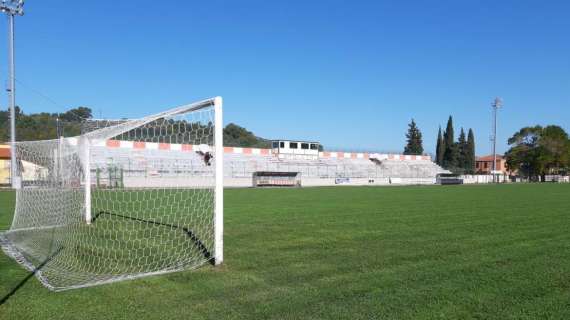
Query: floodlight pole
point(497, 103)
point(12, 100)
point(12, 8)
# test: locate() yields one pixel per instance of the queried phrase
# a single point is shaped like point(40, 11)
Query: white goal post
point(125, 199)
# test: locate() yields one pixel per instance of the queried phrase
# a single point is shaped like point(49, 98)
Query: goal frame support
point(217, 102)
point(219, 188)
point(87, 171)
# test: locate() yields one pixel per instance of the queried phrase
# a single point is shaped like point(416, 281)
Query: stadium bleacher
point(240, 164)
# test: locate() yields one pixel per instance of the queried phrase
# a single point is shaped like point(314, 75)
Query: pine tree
point(414, 138)
point(470, 162)
point(440, 148)
point(462, 151)
point(450, 154)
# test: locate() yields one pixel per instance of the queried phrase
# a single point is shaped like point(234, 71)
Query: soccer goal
point(125, 199)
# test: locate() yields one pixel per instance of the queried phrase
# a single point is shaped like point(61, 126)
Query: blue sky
point(350, 74)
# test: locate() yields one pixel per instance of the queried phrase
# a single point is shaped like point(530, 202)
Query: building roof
point(4, 152)
point(489, 158)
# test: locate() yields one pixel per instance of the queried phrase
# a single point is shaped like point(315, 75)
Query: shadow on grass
point(30, 275)
point(197, 242)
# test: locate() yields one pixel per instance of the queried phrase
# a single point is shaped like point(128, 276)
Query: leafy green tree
point(5, 123)
point(538, 151)
point(440, 148)
point(554, 153)
point(414, 138)
point(76, 115)
point(523, 156)
point(4, 126)
point(450, 155)
point(470, 160)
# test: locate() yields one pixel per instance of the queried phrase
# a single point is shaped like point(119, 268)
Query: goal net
point(125, 199)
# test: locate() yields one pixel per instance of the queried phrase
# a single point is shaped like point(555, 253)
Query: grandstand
point(135, 165)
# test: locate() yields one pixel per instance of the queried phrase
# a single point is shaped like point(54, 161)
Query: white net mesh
point(123, 200)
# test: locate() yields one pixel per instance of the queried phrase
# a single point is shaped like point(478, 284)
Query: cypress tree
point(414, 137)
point(470, 162)
point(440, 148)
point(462, 151)
point(450, 154)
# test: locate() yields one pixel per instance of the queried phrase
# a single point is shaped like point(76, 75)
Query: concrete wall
point(324, 182)
point(474, 179)
point(4, 171)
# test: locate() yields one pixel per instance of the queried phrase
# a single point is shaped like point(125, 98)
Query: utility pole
point(497, 103)
point(12, 8)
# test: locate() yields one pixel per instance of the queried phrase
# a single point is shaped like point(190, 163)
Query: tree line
point(236, 136)
point(456, 156)
point(45, 126)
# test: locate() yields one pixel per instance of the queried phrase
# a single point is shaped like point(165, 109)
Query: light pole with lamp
point(12, 8)
point(497, 104)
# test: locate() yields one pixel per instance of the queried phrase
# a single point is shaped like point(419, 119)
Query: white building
point(298, 150)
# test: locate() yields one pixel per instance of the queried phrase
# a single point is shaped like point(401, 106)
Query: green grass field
point(464, 252)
